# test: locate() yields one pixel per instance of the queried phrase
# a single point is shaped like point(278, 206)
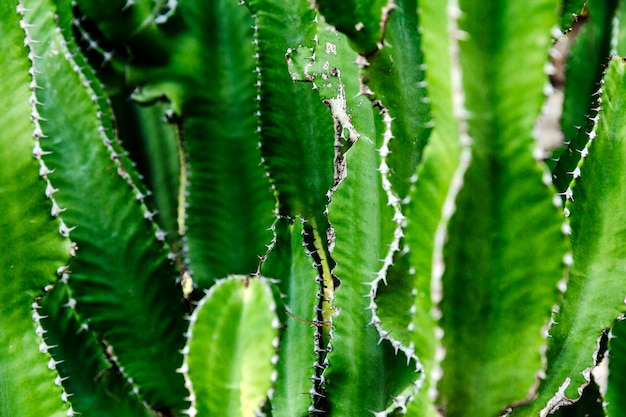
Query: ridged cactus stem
point(304, 208)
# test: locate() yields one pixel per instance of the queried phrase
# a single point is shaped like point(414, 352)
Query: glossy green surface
point(346, 212)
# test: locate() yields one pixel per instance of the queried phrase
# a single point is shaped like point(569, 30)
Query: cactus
point(300, 208)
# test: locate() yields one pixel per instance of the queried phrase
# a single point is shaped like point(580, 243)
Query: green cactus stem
point(595, 278)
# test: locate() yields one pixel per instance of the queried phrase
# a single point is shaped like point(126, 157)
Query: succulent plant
point(312, 208)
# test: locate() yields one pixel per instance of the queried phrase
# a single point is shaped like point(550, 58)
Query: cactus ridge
point(299, 297)
point(456, 184)
point(44, 172)
point(45, 349)
point(565, 386)
point(36, 24)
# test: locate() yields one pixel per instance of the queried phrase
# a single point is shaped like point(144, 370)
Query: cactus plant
point(291, 208)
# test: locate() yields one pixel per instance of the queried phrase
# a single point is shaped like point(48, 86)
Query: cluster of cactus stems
point(312, 208)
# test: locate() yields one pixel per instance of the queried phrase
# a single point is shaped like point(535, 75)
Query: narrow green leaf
point(504, 253)
point(595, 290)
point(232, 377)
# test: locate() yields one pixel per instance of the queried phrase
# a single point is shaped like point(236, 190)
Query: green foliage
point(296, 208)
